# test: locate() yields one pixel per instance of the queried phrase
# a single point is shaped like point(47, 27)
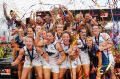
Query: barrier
point(6, 70)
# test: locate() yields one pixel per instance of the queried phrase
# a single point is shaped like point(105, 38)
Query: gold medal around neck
point(30, 63)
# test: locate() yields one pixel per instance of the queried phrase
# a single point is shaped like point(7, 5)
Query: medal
point(30, 56)
point(30, 63)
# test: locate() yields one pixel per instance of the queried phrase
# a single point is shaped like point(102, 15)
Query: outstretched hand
point(39, 32)
point(4, 5)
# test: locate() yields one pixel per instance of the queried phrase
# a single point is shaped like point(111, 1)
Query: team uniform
point(57, 37)
point(32, 58)
point(74, 63)
point(53, 57)
point(84, 57)
point(69, 63)
point(48, 26)
point(65, 63)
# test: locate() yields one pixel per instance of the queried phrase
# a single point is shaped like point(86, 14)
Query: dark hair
point(18, 23)
point(11, 11)
point(66, 25)
point(31, 28)
point(50, 31)
point(68, 34)
point(19, 42)
point(28, 20)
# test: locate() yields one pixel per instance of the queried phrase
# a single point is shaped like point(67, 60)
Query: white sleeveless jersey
point(101, 39)
point(57, 38)
point(35, 54)
point(65, 63)
point(81, 44)
point(48, 26)
point(52, 51)
point(65, 48)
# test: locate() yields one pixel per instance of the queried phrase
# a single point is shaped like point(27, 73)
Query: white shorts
point(35, 62)
point(84, 58)
point(54, 67)
point(64, 64)
point(74, 63)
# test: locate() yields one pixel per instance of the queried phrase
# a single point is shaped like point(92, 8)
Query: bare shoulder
point(21, 52)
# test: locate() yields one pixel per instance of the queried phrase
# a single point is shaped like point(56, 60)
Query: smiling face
point(89, 41)
point(79, 17)
point(21, 32)
point(66, 38)
point(83, 33)
point(59, 28)
point(28, 42)
point(95, 30)
point(44, 34)
point(47, 18)
point(39, 20)
point(87, 16)
point(30, 32)
point(13, 14)
point(50, 37)
point(37, 28)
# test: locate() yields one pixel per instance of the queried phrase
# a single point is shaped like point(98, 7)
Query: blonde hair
point(89, 37)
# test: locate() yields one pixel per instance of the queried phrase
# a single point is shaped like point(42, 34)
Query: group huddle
point(60, 47)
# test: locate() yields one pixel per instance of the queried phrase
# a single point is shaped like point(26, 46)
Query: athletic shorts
point(35, 62)
point(74, 63)
point(54, 67)
point(84, 58)
point(64, 64)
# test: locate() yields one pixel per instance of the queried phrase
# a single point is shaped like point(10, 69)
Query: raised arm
point(93, 21)
point(37, 39)
point(53, 17)
point(69, 13)
point(5, 11)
